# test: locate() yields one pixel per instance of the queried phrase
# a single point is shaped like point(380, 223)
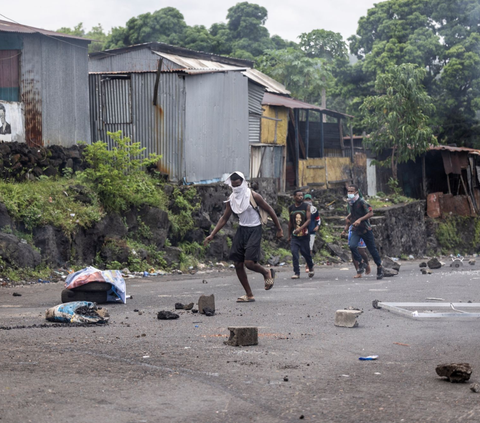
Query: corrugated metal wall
point(54, 90)
point(266, 161)
point(216, 134)
point(131, 61)
point(125, 102)
point(255, 97)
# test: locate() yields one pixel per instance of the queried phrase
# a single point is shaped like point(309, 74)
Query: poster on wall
point(12, 126)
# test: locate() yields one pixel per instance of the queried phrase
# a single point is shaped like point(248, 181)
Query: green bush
point(118, 174)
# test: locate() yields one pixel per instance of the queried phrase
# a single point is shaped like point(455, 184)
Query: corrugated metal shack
point(315, 154)
point(44, 85)
point(201, 111)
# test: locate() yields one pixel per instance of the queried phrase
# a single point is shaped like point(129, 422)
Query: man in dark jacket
point(360, 212)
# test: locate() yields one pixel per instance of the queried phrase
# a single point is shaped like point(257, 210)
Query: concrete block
point(206, 302)
point(347, 318)
point(242, 336)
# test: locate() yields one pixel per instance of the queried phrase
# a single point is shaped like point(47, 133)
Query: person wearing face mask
point(360, 212)
point(245, 251)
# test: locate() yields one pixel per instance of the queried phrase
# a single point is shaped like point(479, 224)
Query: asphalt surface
point(141, 369)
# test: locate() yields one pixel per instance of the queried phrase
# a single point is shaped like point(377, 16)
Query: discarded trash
point(166, 315)
point(91, 274)
point(432, 309)
point(282, 263)
point(399, 343)
point(368, 358)
point(471, 262)
point(77, 312)
point(454, 372)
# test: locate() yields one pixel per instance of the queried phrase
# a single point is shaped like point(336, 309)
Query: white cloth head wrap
point(240, 197)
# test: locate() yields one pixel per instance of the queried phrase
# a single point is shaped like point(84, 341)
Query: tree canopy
point(398, 117)
point(441, 37)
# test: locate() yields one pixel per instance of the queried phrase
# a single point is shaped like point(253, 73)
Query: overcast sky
point(287, 18)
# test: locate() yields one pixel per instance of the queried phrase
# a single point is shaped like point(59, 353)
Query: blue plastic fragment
point(368, 358)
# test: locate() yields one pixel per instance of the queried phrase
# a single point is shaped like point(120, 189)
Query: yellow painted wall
point(334, 169)
point(268, 126)
point(338, 168)
point(307, 176)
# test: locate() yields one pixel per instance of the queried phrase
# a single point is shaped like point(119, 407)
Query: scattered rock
point(426, 271)
point(167, 315)
point(16, 294)
point(188, 306)
point(347, 318)
point(179, 306)
point(206, 302)
point(454, 372)
point(471, 262)
point(208, 311)
point(475, 388)
point(389, 272)
point(194, 310)
point(388, 262)
point(242, 336)
point(423, 264)
point(285, 379)
point(434, 263)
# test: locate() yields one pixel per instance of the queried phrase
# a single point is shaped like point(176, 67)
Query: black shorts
point(246, 244)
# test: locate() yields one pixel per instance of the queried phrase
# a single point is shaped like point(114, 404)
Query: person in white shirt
point(245, 251)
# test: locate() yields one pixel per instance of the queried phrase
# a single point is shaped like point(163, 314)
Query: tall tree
point(166, 25)
point(398, 116)
point(440, 36)
point(305, 77)
point(246, 23)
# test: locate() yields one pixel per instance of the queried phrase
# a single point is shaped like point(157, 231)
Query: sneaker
point(361, 267)
point(295, 276)
point(311, 274)
point(380, 272)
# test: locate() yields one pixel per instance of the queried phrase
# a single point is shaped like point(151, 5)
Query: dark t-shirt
point(298, 216)
point(359, 209)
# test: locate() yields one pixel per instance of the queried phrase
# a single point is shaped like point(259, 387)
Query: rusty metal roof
point(278, 100)
point(455, 149)
point(270, 84)
point(6, 26)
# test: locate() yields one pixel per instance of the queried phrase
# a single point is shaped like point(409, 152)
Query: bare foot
point(368, 270)
point(358, 275)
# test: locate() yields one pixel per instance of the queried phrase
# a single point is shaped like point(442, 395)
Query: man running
point(314, 224)
point(360, 212)
point(245, 250)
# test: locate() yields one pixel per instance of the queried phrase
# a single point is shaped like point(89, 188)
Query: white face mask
point(237, 189)
point(351, 196)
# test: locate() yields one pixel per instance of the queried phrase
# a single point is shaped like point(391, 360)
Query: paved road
point(141, 369)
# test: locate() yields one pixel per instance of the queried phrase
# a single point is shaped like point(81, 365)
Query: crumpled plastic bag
point(77, 312)
point(91, 274)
